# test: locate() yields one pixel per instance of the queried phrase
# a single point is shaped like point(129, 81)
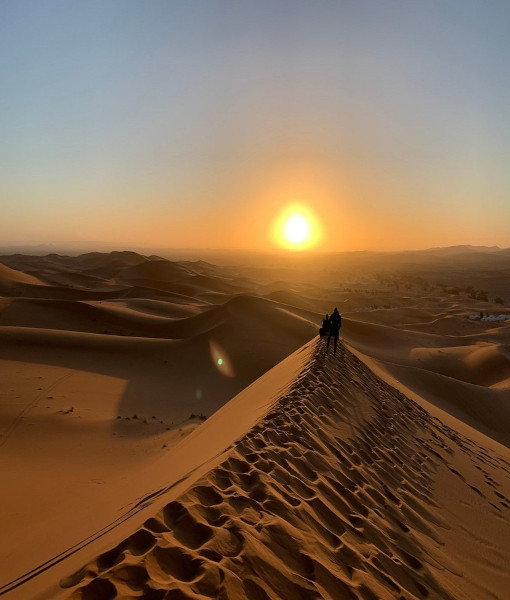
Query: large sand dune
point(11, 278)
point(382, 473)
point(340, 487)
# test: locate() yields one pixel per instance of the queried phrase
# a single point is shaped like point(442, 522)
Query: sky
point(197, 124)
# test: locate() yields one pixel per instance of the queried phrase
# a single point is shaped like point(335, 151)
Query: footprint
point(166, 564)
point(227, 542)
point(207, 495)
point(191, 533)
point(140, 542)
point(98, 589)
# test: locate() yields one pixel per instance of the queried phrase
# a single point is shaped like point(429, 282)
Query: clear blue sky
point(191, 123)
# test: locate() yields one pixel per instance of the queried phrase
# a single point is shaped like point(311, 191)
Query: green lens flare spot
point(220, 361)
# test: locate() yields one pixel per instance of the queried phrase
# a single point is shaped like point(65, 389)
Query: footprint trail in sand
point(345, 489)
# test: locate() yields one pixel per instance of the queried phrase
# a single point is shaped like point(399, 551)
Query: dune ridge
point(465, 374)
point(12, 278)
point(110, 365)
point(344, 489)
point(164, 474)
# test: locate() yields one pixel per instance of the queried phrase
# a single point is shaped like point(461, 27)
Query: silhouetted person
point(335, 322)
point(325, 326)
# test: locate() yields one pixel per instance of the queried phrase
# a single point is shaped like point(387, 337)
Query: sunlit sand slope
point(466, 375)
point(345, 489)
point(39, 538)
point(13, 278)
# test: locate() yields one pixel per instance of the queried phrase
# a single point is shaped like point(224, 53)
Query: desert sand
point(175, 429)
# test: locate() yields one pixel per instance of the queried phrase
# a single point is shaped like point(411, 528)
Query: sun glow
point(296, 228)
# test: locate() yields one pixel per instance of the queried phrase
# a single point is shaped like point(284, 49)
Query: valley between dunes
point(176, 430)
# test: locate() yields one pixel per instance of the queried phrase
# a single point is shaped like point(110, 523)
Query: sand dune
point(392, 316)
point(148, 466)
point(161, 270)
point(178, 278)
point(11, 277)
point(481, 364)
point(244, 313)
point(464, 375)
point(193, 286)
point(75, 393)
point(343, 488)
point(114, 260)
point(292, 298)
point(310, 478)
point(386, 341)
point(96, 317)
point(447, 325)
point(136, 291)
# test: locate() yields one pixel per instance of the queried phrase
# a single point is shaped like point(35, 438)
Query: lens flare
point(220, 359)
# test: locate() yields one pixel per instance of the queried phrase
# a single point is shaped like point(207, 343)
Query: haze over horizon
point(194, 125)
point(87, 246)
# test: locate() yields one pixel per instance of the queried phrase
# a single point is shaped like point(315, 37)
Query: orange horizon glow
point(393, 143)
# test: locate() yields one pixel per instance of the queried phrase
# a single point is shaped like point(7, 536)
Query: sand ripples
point(331, 495)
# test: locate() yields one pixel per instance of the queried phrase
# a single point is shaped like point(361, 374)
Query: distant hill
point(461, 249)
point(11, 277)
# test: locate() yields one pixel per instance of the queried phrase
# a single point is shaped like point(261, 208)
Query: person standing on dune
point(334, 329)
point(324, 330)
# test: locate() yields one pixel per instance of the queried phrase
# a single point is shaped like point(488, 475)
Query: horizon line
point(138, 247)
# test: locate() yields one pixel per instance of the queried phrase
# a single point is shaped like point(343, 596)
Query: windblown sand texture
point(381, 473)
point(345, 489)
point(101, 377)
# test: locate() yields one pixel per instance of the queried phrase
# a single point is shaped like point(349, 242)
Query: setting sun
point(296, 228)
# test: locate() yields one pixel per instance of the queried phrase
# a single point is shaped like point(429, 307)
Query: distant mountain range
point(75, 249)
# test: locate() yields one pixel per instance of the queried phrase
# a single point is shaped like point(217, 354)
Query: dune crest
point(344, 489)
point(11, 278)
point(318, 480)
